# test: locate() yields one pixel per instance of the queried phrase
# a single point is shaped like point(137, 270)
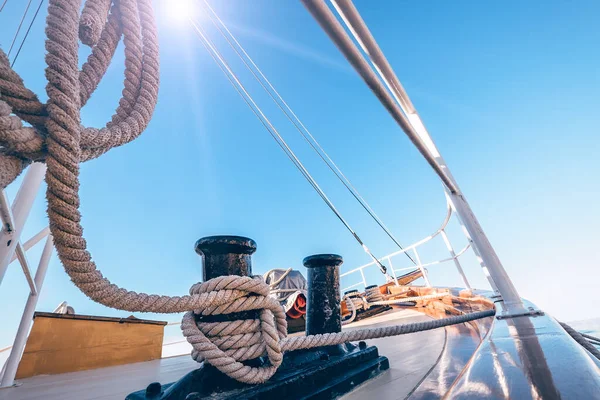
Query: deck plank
point(411, 357)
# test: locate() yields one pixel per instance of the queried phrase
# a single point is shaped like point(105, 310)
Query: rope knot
point(56, 132)
point(227, 344)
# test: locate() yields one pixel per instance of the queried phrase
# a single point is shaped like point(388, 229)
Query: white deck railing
point(13, 220)
point(441, 231)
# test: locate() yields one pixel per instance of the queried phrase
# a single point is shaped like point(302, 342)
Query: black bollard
point(324, 372)
point(323, 313)
point(225, 255)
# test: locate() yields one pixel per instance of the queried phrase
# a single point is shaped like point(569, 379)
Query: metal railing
point(11, 249)
point(441, 231)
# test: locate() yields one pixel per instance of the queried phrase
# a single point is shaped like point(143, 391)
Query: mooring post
point(323, 313)
point(303, 373)
point(222, 256)
point(225, 255)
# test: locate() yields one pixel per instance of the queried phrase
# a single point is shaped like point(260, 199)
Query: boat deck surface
point(411, 358)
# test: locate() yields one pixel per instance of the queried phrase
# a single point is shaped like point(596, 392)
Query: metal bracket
point(529, 313)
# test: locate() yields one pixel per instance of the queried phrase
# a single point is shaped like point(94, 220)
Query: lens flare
point(179, 10)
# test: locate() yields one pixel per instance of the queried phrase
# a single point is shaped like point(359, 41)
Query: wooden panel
point(76, 343)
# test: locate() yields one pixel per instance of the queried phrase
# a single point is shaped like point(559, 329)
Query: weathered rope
point(56, 137)
point(373, 294)
point(226, 344)
point(351, 306)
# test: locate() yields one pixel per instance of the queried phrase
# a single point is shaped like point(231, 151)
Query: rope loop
point(57, 138)
point(101, 25)
point(227, 344)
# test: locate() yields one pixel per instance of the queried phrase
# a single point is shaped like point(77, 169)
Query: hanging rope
point(56, 135)
point(57, 138)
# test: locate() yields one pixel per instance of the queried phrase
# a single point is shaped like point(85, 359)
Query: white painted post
point(14, 218)
point(10, 370)
point(494, 267)
point(420, 266)
point(456, 262)
point(393, 272)
point(363, 277)
point(485, 270)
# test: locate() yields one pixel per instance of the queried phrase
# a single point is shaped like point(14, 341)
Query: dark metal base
point(323, 373)
point(296, 325)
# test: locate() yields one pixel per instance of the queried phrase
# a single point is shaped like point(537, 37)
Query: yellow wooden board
point(66, 343)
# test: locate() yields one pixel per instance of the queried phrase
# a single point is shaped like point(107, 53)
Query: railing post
point(363, 278)
point(420, 266)
point(10, 370)
point(485, 270)
point(481, 244)
point(393, 272)
point(455, 259)
point(11, 230)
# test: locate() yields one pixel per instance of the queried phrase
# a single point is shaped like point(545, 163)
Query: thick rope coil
point(352, 308)
point(132, 19)
point(57, 138)
point(354, 300)
point(373, 294)
point(225, 345)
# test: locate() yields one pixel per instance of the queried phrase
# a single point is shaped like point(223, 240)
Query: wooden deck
point(411, 358)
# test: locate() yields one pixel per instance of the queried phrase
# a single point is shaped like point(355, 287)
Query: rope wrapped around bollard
point(226, 344)
point(57, 138)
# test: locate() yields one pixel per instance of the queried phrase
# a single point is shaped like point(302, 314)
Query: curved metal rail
point(441, 231)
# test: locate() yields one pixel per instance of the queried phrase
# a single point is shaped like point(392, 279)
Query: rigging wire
point(239, 87)
point(295, 120)
point(19, 28)
point(27, 33)
point(3, 4)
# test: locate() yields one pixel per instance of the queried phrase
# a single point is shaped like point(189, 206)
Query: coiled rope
point(56, 137)
point(373, 294)
point(356, 302)
point(226, 344)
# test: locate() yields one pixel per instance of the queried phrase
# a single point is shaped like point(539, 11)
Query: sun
point(179, 10)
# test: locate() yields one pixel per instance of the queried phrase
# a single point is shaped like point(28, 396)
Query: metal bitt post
point(323, 314)
point(303, 373)
point(225, 255)
point(222, 256)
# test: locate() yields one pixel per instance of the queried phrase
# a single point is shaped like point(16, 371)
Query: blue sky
point(508, 90)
